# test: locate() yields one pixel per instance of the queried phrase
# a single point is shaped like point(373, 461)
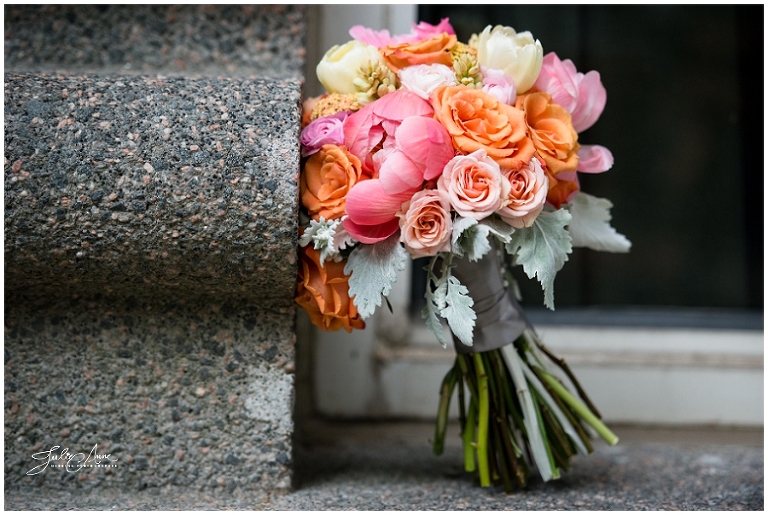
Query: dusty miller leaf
point(470, 238)
point(435, 303)
point(590, 225)
point(501, 229)
point(543, 249)
point(372, 270)
point(458, 311)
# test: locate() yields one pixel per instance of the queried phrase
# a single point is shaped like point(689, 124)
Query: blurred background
point(670, 333)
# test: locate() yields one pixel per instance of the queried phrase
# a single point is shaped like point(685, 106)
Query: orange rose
point(323, 292)
point(327, 178)
point(560, 190)
point(551, 130)
point(476, 120)
point(429, 51)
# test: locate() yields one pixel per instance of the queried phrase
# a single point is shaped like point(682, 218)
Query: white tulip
point(341, 65)
point(423, 79)
point(518, 54)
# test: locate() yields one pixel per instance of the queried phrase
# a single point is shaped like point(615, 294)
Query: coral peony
point(327, 179)
point(323, 291)
point(476, 120)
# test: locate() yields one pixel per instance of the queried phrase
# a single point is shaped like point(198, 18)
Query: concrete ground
point(390, 466)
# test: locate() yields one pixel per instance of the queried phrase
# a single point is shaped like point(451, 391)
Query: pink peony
point(327, 130)
point(474, 185)
point(425, 224)
point(582, 95)
point(417, 151)
point(499, 84)
point(365, 129)
point(527, 194)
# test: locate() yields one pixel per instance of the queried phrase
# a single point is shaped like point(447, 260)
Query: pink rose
point(581, 95)
point(498, 84)
point(527, 194)
point(425, 224)
point(327, 130)
point(474, 185)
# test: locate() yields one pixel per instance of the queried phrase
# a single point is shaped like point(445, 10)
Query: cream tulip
point(517, 54)
point(342, 64)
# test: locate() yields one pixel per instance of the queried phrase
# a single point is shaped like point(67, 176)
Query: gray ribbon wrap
point(500, 319)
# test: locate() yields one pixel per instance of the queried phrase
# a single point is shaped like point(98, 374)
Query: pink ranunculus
point(474, 185)
point(582, 95)
point(423, 79)
point(382, 38)
point(364, 129)
point(327, 130)
point(425, 224)
point(527, 194)
point(594, 159)
point(498, 84)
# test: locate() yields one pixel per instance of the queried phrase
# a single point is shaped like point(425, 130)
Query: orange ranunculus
point(561, 189)
point(476, 120)
point(327, 178)
point(323, 292)
point(435, 50)
point(551, 131)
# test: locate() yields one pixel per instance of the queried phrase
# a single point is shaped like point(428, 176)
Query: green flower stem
point(446, 392)
point(497, 444)
point(581, 410)
point(504, 434)
point(482, 422)
point(468, 437)
point(583, 436)
point(543, 432)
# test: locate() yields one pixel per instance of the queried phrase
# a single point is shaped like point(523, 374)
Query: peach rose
point(476, 120)
point(551, 131)
point(527, 194)
point(323, 292)
point(436, 49)
point(425, 224)
point(327, 178)
point(474, 185)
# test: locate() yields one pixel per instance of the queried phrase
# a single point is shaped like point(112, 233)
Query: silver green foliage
point(373, 270)
point(542, 249)
point(590, 225)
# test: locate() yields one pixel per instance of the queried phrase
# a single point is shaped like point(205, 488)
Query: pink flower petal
point(397, 173)
point(592, 98)
point(377, 38)
point(425, 30)
point(371, 233)
point(400, 105)
point(594, 159)
point(426, 143)
point(368, 204)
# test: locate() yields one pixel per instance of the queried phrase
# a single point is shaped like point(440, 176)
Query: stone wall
point(151, 167)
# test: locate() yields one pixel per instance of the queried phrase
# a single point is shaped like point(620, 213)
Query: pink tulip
point(594, 159)
point(582, 95)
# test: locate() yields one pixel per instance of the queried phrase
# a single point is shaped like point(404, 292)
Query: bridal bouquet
point(466, 153)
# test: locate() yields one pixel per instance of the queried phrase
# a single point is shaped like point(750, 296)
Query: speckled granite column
point(150, 245)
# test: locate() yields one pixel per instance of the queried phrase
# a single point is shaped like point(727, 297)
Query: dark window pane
point(684, 121)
